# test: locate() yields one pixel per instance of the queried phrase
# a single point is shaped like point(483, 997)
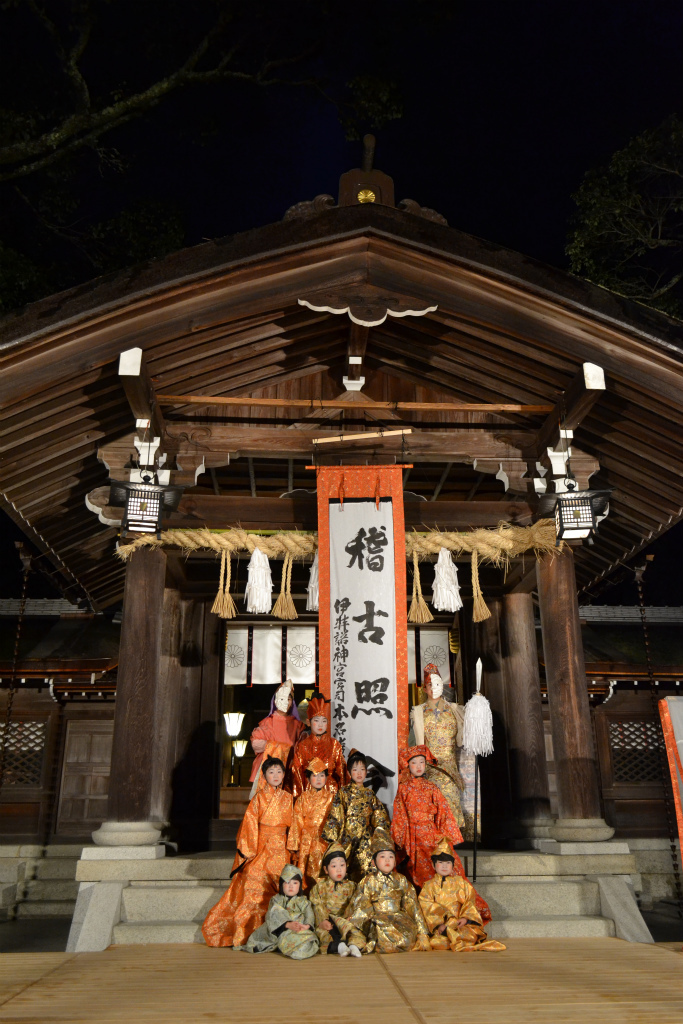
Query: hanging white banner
point(301, 655)
point(433, 651)
point(266, 656)
point(363, 632)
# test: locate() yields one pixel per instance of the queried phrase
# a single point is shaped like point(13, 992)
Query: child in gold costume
point(330, 898)
point(385, 907)
point(354, 815)
point(448, 903)
point(261, 855)
point(289, 927)
point(310, 814)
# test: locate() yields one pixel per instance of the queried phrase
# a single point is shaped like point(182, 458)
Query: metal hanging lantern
point(144, 503)
point(576, 513)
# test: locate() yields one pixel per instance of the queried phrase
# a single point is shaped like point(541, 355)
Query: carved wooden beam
point(576, 402)
point(137, 384)
point(220, 512)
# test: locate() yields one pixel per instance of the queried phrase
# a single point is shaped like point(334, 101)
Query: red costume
point(325, 748)
point(280, 733)
point(422, 817)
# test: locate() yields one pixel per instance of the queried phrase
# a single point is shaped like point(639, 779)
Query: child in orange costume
point(310, 814)
point(261, 855)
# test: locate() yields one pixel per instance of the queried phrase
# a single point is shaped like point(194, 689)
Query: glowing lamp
point(233, 724)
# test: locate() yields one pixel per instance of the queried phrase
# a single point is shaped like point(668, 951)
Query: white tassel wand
point(477, 738)
point(446, 590)
point(313, 599)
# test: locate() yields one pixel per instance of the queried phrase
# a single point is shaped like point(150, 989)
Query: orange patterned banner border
point(375, 482)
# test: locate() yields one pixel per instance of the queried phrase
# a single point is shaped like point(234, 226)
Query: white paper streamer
point(446, 591)
point(477, 731)
point(312, 600)
point(258, 595)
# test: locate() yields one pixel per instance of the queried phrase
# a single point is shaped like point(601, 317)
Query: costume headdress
point(318, 706)
point(316, 765)
point(430, 670)
point(332, 851)
point(410, 752)
point(289, 872)
point(443, 849)
point(381, 842)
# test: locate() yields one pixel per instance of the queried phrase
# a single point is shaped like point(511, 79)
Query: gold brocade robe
point(385, 909)
point(310, 814)
point(445, 900)
point(441, 735)
point(354, 815)
point(261, 855)
point(329, 750)
point(330, 901)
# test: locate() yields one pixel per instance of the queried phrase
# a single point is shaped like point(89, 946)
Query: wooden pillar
point(524, 717)
point(494, 773)
point(578, 794)
point(145, 708)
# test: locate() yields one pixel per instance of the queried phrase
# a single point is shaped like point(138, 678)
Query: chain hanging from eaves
point(661, 746)
point(5, 738)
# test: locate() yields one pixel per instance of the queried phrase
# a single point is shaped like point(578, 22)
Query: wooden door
point(85, 776)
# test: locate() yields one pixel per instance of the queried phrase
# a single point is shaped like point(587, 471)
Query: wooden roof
point(223, 318)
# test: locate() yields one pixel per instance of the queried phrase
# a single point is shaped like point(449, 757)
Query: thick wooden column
point(578, 794)
point(494, 770)
point(524, 716)
point(143, 722)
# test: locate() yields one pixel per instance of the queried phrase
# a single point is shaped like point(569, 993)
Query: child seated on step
point(289, 927)
point(330, 897)
point(449, 906)
point(385, 907)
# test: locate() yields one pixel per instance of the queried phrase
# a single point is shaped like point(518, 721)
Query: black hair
point(309, 773)
point(332, 855)
point(296, 878)
point(354, 757)
point(271, 762)
point(442, 856)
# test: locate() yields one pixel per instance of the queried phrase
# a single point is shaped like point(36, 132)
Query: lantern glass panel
point(143, 506)
point(233, 722)
point(240, 747)
point(574, 517)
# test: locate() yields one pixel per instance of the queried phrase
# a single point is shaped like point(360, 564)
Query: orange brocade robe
point(421, 817)
point(329, 750)
point(310, 814)
point(261, 855)
point(280, 733)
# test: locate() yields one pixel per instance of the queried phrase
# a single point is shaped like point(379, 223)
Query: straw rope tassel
point(419, 612)
point(479, 608)
point(284, 606)
point(224, 606)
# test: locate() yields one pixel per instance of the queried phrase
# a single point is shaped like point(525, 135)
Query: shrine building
point(360, 337)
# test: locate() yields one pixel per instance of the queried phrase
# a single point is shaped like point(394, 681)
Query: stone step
point(55, 867)
point(46, 908)
point(156, 931)
point(12, 870)
point(50, 889)
point(574, 927)
point(541, 899)
point(174, 904)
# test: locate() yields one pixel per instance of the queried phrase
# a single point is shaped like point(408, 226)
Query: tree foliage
point(628, 229)
point(76, 76)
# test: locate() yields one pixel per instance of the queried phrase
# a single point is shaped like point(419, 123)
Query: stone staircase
point(539, 895)
point(531, 894)
point(38, 881)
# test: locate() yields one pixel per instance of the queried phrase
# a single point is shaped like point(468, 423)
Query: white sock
point(343, 949)
point(354, 950)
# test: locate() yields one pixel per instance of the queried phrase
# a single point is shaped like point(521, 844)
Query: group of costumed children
point(315, 868)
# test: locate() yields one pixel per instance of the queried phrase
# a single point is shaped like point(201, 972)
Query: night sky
point(507, 105)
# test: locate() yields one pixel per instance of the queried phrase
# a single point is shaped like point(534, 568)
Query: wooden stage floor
point(554, 981)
